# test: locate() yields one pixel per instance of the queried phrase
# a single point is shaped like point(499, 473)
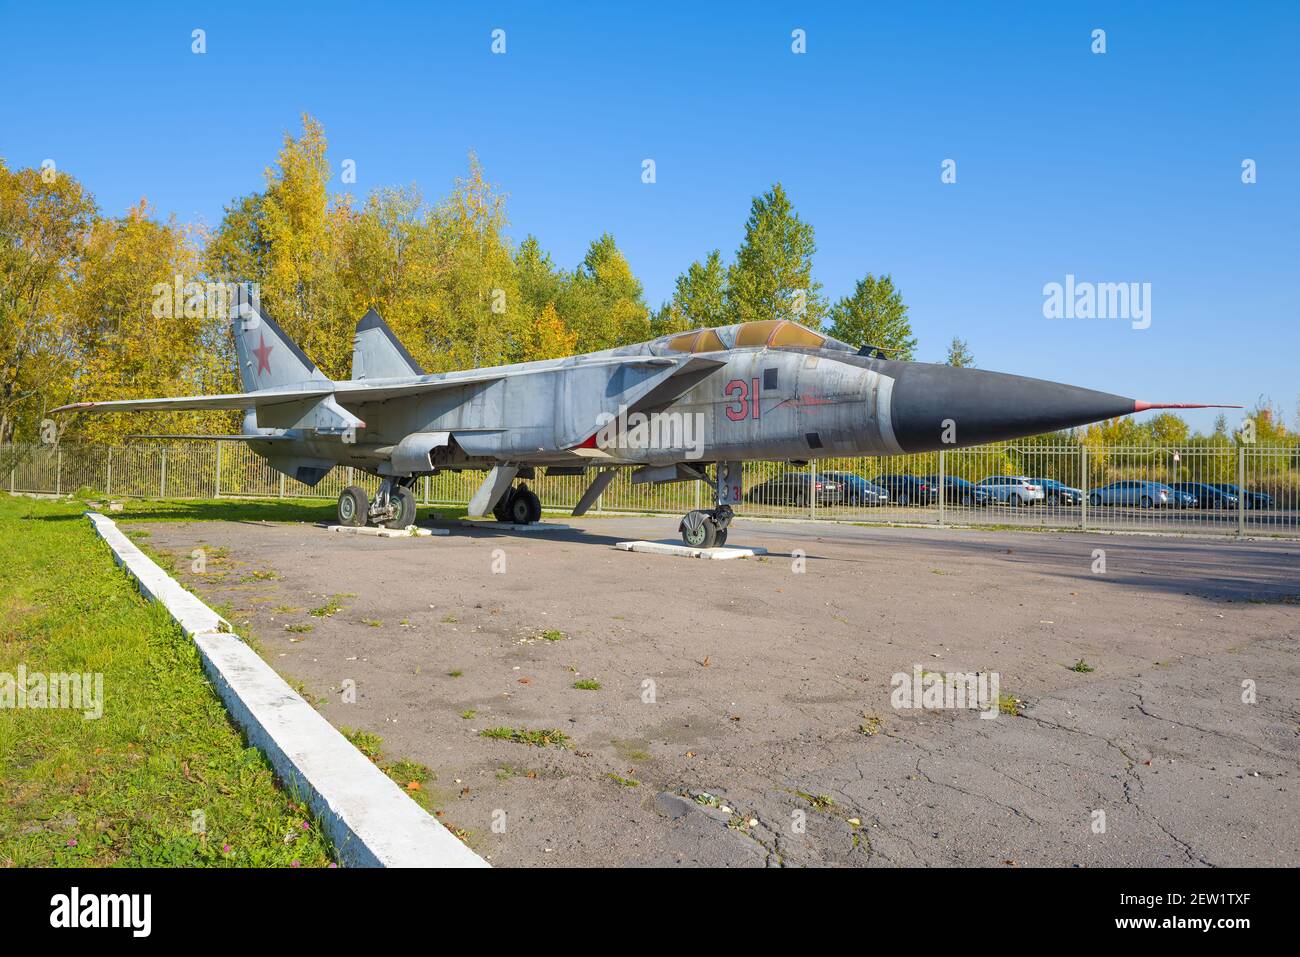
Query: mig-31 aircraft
point(670, 409)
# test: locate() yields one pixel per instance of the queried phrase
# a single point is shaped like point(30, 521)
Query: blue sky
point(1119, 167)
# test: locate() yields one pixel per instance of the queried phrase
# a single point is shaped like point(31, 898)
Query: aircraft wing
point(234, 400)
point(359, 392)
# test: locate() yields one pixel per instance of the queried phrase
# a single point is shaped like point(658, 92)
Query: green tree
point(959, 354)
point(874, 315)
point(603, 301)
point(772, 275)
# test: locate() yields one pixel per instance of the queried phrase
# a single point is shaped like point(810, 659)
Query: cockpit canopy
point(769, 333)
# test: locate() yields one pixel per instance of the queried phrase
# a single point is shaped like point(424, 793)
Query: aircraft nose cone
point(988, 406)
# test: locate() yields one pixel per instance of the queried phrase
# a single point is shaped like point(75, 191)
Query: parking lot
point(740, 712)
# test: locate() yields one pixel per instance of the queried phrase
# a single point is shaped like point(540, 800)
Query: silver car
point(1141, 494)
point(1011, 490)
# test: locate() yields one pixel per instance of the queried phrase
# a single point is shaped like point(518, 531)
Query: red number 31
point(745, 399)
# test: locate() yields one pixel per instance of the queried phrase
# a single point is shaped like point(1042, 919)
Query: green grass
point(540, 739)
point(1082, 667)
point(331, 607)
point(243, 510)
point(554, 635)
point(122, 789)
point(625, 782)
point(587, 684)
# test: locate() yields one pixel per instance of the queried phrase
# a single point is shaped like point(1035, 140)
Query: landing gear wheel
point(354, 506)
point(403, 501)
point(720, 539)
point(704, 535)
point(501, 510)
point(522, 507)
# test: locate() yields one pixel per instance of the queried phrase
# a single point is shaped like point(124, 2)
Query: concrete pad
point(512, 526)
point(370, 820)
point(720, 554)
point(772, 685)
point(410, 531)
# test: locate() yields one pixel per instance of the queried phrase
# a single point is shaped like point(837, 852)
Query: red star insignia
point(263, 353)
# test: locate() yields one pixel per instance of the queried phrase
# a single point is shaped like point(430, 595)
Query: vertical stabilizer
point(267, 357)
point(377, 353)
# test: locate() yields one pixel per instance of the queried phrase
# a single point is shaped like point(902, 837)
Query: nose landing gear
point(707, 528)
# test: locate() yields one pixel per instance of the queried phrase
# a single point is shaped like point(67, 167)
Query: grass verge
point(162, 778)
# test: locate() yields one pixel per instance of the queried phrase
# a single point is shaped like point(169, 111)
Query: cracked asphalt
point(744, 713)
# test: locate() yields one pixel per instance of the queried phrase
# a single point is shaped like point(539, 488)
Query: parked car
point(908, 489)
point(1013, 490)
point(1253, 499)
point(857, 490)
point(1141, 494)
point(796, 488)
point(1058, 493)
point(1207, 496)
point(958, 491)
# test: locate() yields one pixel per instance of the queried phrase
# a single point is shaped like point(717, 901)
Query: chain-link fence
point(1224, 488)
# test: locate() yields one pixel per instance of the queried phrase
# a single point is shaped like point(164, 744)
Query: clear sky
point(1117, 167)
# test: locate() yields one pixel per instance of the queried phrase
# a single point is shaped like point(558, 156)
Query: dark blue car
point(959, 491)
point(1207, 496)
point(1253, 499)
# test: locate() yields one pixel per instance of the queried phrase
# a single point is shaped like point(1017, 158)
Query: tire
point(1146, 501)
point(534, 506)
point(965, 500)
point(1094, 500)
point(706, 536)
point(524, 507)
point(354, 506)
point(720, 539)
point(403, 500)
point(501, 510)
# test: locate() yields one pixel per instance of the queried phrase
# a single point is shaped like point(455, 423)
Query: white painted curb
point(720, 554)
point(368, 817)
point(512, 526)
point(409, 532)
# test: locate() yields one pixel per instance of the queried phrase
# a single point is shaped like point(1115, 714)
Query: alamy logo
point(1099, 300)
point(103, 910)
point(932, 691)
point(35, 689)
point(658, 431)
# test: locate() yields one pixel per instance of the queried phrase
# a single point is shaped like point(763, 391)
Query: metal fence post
point(281, 485)
point(1083, 487)
point(812, 490)
point(108, 478)
point(1241, 491)
point(58, 472)
point(942, 487)
point(162, 480)
point(216, 491)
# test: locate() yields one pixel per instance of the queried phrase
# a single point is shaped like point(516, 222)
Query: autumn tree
point(43, 223)
point(603, 302)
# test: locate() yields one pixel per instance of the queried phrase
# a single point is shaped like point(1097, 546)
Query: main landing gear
point(707, 528)
point(393, 507)
point(519, 506)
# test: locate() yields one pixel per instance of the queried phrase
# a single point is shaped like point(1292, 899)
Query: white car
point(1012, 490)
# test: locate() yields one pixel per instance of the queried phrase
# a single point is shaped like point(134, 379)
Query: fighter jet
point(670, 409)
